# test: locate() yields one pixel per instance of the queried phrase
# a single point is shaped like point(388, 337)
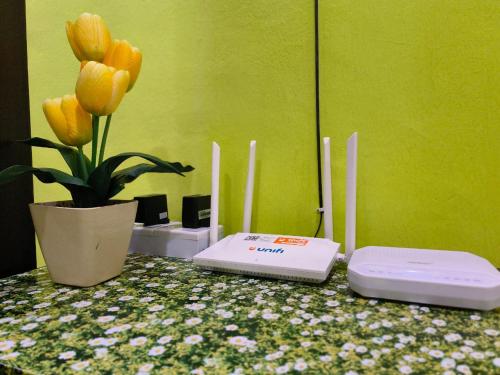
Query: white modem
point(270, 255)
point(438, 277)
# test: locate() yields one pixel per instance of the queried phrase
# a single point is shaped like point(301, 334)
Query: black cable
point(318, 130)
point(319, 225)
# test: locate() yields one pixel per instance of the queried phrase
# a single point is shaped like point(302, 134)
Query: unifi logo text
point(266, 250)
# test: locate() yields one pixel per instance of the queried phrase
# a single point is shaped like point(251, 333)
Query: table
point(163, 315)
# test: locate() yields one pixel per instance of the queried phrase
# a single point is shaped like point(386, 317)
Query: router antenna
point(350, 201)
point(327, 190)
point(247, 211)
point(214, 198)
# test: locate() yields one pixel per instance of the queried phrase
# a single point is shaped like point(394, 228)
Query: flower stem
point(104, 138)
point(95, 139)
point(83, 167)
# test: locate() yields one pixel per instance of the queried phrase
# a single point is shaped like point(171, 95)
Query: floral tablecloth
point(164, 315)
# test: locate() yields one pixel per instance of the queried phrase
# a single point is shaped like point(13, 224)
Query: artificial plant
point(108, 70)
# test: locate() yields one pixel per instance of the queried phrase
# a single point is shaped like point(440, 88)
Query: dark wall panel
point(17, 239)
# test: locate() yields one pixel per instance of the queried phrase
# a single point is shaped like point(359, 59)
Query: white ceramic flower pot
point(83, 246)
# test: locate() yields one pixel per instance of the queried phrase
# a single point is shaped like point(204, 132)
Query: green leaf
point(83, 195)
point(69, 154)
point(124, 176)
point(100, 178)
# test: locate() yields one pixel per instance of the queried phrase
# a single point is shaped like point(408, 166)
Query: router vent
point(262, 274)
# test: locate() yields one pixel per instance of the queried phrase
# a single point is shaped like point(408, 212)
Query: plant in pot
point(85, 241)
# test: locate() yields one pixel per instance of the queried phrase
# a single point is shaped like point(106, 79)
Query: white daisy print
point(10, 356)
point(193, 321)
point(105, 319)
point(29, 326)
point(26, 343)
point(439, 322)
point(43, 318)
point(405, 370)
point(477, 355)
point(147, 367)
point(231, 327)
point(81, 304)
point(300, 366)
point(194, 339)
point(6, 345)
point(361, 349)
point(270, 316)
point(282, 369)
point(168, 322)
point(195, 306)
point(491, 332)
point(156, 350)
point(164, 340)
point(126, 298)
point(348, 346)
point(42, 305)
point(457, 355)
point(78, 366)
point(138, 341)
point(273, 356)
point(452, 337)
point(448, 363)
point(238, 340)
point(98, 341)
point(464, 369)
point(101, 352)
point(116, 329)
point(296, 321)
point(368, 362)
point(67, 355)
point(156, 308)
point(436, 353)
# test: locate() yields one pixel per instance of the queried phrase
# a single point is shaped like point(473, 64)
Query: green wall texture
point(418, 80)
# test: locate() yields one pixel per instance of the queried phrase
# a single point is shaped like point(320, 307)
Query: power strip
point(170, 240)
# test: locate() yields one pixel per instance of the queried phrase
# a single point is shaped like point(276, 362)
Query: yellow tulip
point(71, 124)
point(122, 55)
point(100, 88)
point(89, 37)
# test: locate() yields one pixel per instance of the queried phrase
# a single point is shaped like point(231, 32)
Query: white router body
point(276, 256)
point(439, 277)
point(269, 255)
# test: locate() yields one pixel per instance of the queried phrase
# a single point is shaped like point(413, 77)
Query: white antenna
point(247, 211)
point(214, 199)
point(327, 190)
point(350, 199)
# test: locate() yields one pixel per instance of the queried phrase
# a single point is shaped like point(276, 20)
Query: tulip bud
point(89, 37)
point(71, 124)
point(122, 55)
point(100, 88)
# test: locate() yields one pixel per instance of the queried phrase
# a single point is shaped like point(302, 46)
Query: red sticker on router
point(291, 241)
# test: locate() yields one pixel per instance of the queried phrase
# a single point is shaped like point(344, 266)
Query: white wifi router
point(270, 255)
point(439, 277)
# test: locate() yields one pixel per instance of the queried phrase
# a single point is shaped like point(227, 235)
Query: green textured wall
point(418, 80)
